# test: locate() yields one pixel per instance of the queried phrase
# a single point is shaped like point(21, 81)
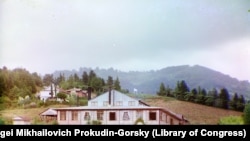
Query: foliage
point(62, 96)
point(54, 122)
point(231, 120)
point(2, 122)
point(139, 121)
point(17, 83)
point(204, 97)
point(181, 90)
point(83, 102)
point(96, 122)
point(162, 91)
point(247, 114)
point(117, 84)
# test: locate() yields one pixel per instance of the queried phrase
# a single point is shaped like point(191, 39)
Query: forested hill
point(149, 81)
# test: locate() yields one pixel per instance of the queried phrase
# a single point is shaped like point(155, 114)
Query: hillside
point(195, 113)
point(149, 81)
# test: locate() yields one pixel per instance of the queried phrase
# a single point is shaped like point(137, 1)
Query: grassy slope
point(31, 113)
point(195, 113)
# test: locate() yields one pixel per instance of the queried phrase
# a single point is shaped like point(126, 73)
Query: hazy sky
point(128, 35)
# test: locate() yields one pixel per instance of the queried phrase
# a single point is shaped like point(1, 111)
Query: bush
point(2, 122)
point(246, 115)
point(94, 122)
point(231, 120)
point(139, 121)
point(32, 105)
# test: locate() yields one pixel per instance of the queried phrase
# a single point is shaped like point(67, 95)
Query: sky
point(128, 35)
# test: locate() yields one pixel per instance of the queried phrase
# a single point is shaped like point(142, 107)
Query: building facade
point(116, 108)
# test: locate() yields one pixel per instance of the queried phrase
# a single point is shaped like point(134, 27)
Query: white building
point(114, 107)
point(46, 92)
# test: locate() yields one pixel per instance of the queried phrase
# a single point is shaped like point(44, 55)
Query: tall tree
point(234, 101)
point(47, 79)
point(85, 78)
point(162, 90)
point(96, 84)
point(241, 103)
point(211, 97)
point(110, 81)
point(117, 84)
point(92, 75)
point(181, 89)
point(2, 83)
point(37, 79)
point(224, 98)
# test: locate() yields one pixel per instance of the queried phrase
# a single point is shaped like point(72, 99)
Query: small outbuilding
point(20, 120)
point(48, 115)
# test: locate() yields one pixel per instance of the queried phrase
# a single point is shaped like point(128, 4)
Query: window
point(125, 116)
point(62, 115)
point(105, 103)
point(112, 116)
point(99, 115)
point(131, 103)
point(86, 116)
point(152, 115)
point(94, 103)
point(118, 103)
point(74, 115)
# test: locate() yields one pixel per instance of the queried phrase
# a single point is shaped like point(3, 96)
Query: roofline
point(46, 110)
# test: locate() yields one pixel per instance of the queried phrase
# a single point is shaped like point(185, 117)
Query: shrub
point(96, 122)
point(2, 122)
point(139, 121)
point(246, 115)
point(231, 120)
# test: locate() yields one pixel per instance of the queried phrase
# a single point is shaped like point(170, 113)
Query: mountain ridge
point(149, 81)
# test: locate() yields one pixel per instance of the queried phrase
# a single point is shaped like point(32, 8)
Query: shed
point(48, 115)
point(20, 120)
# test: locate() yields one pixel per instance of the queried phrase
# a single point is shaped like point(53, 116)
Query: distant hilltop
point(149, 81)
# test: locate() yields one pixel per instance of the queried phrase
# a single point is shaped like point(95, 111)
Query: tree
point(37, 79)
point(201, 97)
point(47, 79)
point(241, 103)
point(110, 81)
point(223, 98)
point(2, 84)
point(211, 97)
point(181, 89)
point(62, 96)
point(246, 115)
point(96, 84)
point(117, 84)
point(162, 91)
point(191, 96)
point(85, 78)
point(51, 90)
point(234, 101)
point(92, 75)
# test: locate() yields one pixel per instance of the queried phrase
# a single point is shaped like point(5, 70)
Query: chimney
point(89, 93)
point(110, 95)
